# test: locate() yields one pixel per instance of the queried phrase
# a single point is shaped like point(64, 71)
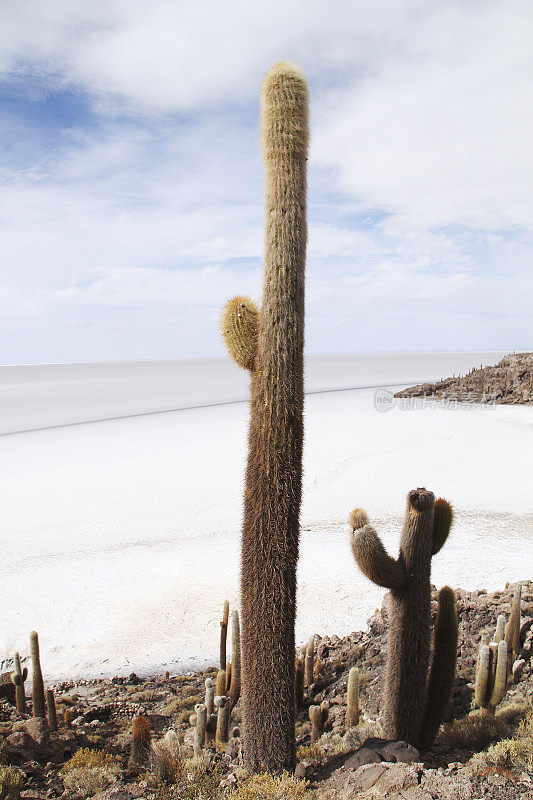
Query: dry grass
point(11, 783)
point(311, 752)
point(479, 729)
point(509, 755)
point(268, 787)
point(90, 771)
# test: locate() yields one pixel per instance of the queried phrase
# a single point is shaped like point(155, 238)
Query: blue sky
point(131, 196)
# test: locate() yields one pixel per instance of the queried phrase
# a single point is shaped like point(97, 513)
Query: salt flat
point(121, 537)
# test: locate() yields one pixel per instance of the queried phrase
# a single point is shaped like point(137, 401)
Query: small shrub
point(479, 729)
point(269, 787)
point(11, 783)
point(311, 752)
point(148, 696)
point(167, 764)
point(514, 755)
point(89, 780)
point(85, 758)
point(189, 702)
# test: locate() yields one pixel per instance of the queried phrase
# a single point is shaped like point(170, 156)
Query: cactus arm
point(442, 522)
point(240, 326)
point(442, 673)
point(372, 558)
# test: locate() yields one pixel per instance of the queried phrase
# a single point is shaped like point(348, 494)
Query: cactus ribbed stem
point(224, 711)
point(235, 685)
point(18, 677)
point(224, 635)
point(310, 662)
point(512, 630)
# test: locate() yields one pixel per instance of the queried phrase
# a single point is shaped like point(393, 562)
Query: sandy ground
point(121, 538)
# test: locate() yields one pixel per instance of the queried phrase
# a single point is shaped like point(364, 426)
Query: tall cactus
point(37, 697)
point(235, 684)
point(410, 712)
point(270, 535)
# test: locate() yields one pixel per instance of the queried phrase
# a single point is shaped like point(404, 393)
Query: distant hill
point(509, 381)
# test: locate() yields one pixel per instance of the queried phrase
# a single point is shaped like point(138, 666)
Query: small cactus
point(200, 728)
point(352, 710)
point(18, 677)
point(500, 628)
point(38, 701)
point(310, 662)
point(299, 683)
point(224, 634)
point(51, 705)
point(223, 705)
point(220, 686)
point(68, 716)
point(318, 716)
point(209, 696)
point(141, 743)
point(235, 684)
point(240, 329)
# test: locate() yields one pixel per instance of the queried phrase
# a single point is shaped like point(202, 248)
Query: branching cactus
point(37, 697)
point(18, 677)
point(224, 635)
point(352, 708)
point(318, 716)
point(235, 684)
point(410, 712)
point(272, 497)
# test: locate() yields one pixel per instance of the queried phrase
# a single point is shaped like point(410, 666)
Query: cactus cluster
point(414, 701)
point(495, 658)
point(318, 716)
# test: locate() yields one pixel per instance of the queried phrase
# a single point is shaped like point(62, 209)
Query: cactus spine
point(409, 714)
point(51, 705)
point(200, 722)
point(18, 677)
point(224, 635)
point(39, 707)
point(352, 709)
point(240, 326)
point(273, 478)
point(235, 684)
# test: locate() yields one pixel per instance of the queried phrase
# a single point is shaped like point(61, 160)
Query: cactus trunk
point(273, 477)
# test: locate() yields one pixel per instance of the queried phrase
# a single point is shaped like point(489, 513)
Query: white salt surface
point(120, 539)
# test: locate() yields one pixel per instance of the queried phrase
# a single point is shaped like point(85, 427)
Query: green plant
point(37, 697)
point(273, 476)
point(411, 713)
point(11, 783)
point(18, 677)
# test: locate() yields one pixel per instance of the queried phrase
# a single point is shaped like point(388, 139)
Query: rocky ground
point(509, 381)
point(342, 764)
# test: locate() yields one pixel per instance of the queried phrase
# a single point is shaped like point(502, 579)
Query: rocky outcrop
point(510, 381)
